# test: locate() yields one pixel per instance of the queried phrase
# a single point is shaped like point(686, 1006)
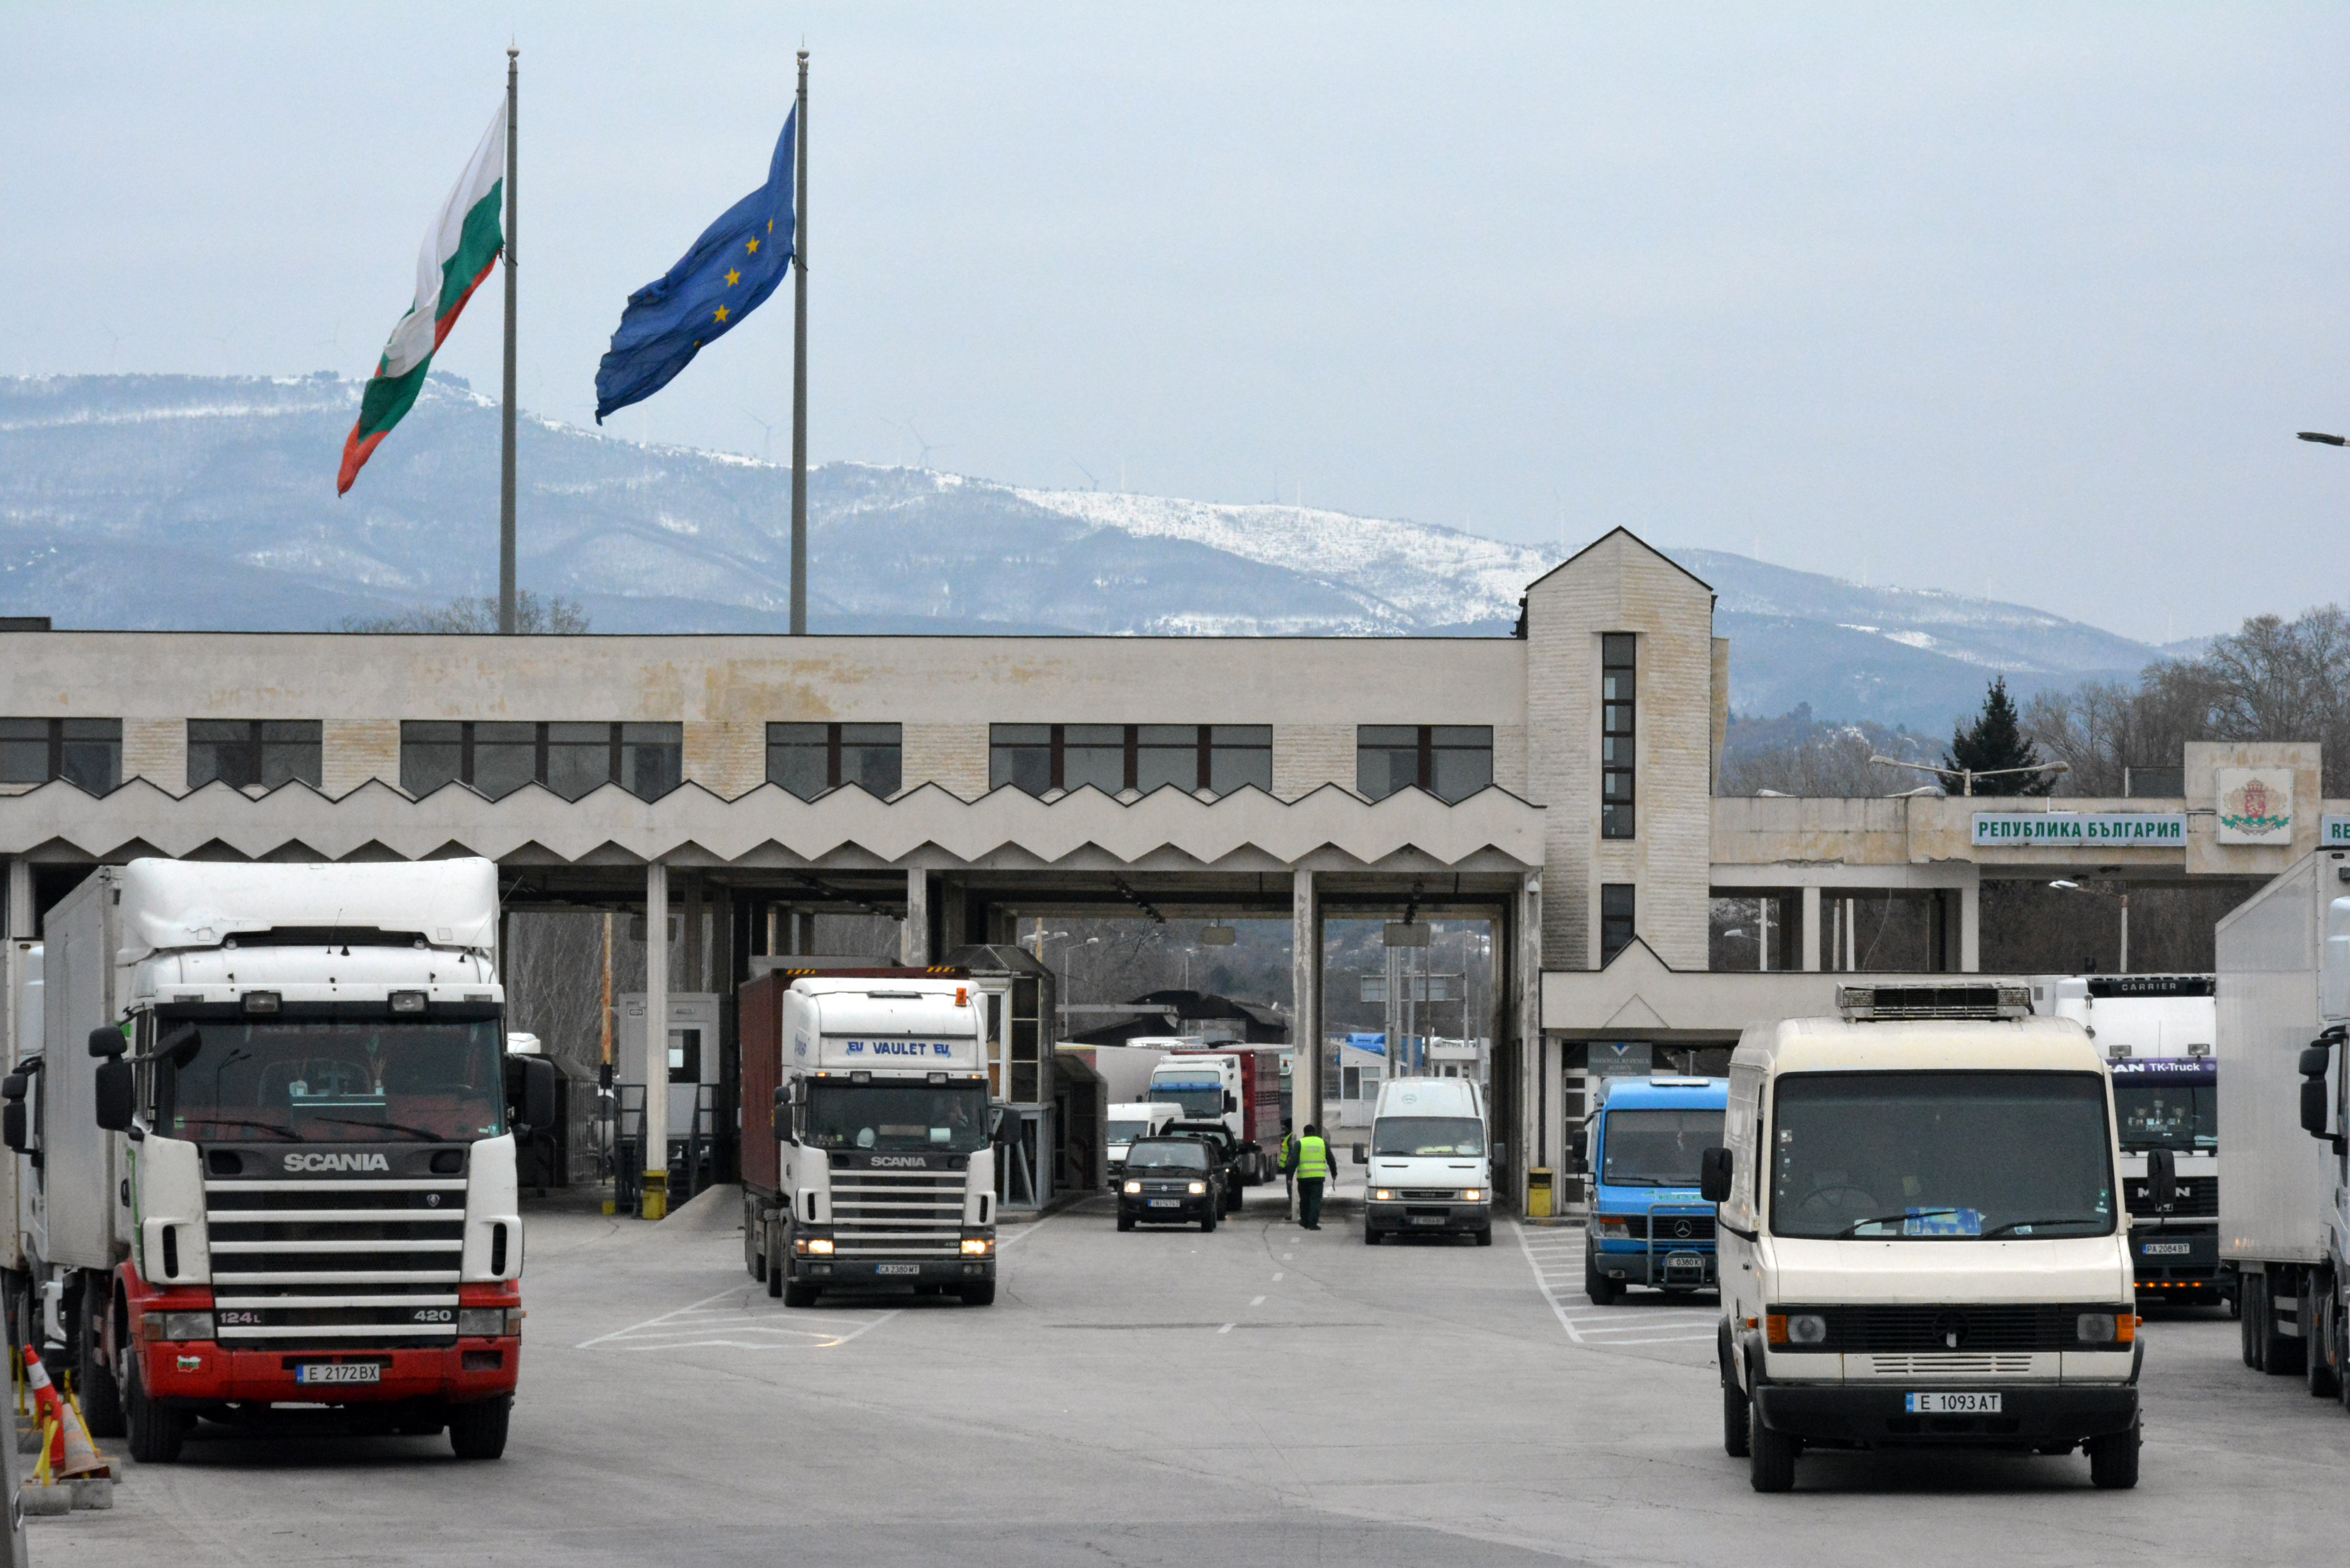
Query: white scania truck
point(877, 1166)
point(2283, 958)
point(271, 1151)
point(1920, 1236)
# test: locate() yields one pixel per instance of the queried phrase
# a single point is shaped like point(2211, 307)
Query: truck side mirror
point(113, 1094)
point(1583, 1147)
point(106, 1043)
point(1362, 1155)
point(2316, 1110)
point(779, 1120)
point(1713, 1173)
point(1231, 1101)
point(538, 1093)
point(1006, 1130)
point(12, 1115)
point(2162, 1179)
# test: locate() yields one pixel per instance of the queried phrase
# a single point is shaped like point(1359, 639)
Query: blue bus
point(1649, 1226)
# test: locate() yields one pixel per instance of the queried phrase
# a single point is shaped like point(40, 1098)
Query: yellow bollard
point(656, 1195)
point(1539, 1205)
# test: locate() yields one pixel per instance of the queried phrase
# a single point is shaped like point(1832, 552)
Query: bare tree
point(534, 615)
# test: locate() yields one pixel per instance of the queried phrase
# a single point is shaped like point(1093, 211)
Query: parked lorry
point(2157, 1031)
point(877, 1167)
point(20, 1024)
point(271, 1134)
point(1430, 1169)
point(1239, 1085)
point(1649, 1225)
point(2283, 959)
point(1921, 1237)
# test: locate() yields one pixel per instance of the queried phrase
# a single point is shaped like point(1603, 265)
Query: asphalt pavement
point(1259, 1396)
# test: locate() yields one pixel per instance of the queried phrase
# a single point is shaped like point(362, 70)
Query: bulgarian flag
point(460, 248)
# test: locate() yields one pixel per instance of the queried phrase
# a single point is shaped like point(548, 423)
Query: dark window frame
point(56, 741)
point(1619, 658)
point(617, 744)
point(835, 743)
point(1209, 741)
point(1619, 925)
point(1427, 747)
point(257, 748)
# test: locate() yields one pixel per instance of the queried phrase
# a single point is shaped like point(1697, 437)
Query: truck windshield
point(2182, 1117)
point(1942, 1156)
point(333, 1080)
point(1655, 1148)
point(1406, 1137)
point(898, 1118)
point(1174, 1154)
point(1197, 1099)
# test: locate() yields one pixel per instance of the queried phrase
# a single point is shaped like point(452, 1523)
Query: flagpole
point(799, 366)
point(507, 446)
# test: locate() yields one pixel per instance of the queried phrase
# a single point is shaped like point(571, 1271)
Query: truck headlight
point(1804, 1328)
point(488, 1323)
point(977, 1246)
point(179, 1326)
point(1383, 1195)
point(1611, 1228)
point(2106, 1328)
point(1195, 1188)
point(1134, 1186)
point(814, 1246)
point(1472, 1195)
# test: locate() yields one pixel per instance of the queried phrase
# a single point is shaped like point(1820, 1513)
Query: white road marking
point(1557, 1265)
point(1258, 1301)
point(732, 1328)
point(1278, 1278)
point(1226, 1329)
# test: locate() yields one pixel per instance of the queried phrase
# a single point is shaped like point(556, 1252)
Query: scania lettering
point(868, 1153)
point(200, 1017)
point(1921, 1237)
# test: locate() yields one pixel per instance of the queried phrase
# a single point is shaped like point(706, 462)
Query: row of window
point(497, 757)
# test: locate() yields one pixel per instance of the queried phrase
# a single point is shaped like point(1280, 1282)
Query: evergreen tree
point(1996, 740)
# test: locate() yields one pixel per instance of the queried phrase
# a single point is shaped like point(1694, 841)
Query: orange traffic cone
point(48, 1409)
point(82, 1461)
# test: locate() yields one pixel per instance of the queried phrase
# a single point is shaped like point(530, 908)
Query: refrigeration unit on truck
point(875, 1166)
point(1920, 1236)
point(2157, 1031)
point(1430, 1170)
point(1649, 1225)
point(2283, 960)
point(272, 1134)
point(1239, 1085)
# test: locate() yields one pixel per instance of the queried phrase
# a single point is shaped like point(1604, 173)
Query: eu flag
point(727, 275)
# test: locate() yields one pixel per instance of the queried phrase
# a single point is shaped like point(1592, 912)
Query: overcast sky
point(2026, 301)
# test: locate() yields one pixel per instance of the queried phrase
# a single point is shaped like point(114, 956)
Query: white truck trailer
point(876, 1168)
point(2283, 959)
point(272, 1137)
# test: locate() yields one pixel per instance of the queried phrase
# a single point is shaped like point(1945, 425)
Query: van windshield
point(1655, 1148)
point(1940, 1155)
point(1127, 1132)
point(1405, 1137)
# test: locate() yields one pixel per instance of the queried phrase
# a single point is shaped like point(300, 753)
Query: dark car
point(1228, 1151)
point(1171, 1181)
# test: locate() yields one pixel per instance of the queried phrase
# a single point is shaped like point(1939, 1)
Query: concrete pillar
point(690, 908)
point(20, 898)
point(1306, 999)
point(1811, 937)
point(1533, 1090)
point(656, 1062)
point(914, 935)
point(1970, 927)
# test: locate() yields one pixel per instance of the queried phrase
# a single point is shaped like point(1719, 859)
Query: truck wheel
point(1485, 1237)
point(1370, 1237)
point(1207, 1221)
point(2280, 1354)
point(478, 1430)
point(2112, 1460)
point(1125, 1221)
point(2317, 1339)
point(1770, 1456)
point(980, 1295)
point(1736, 1417)
point(94, 1385)
point(2247, 1317)
point(156, 1430)
point(1602, 1292)
point(774, 1260)
point(799, 1294)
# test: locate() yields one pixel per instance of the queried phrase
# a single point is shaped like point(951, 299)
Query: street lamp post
point(1967, 776)
point(2123, 895)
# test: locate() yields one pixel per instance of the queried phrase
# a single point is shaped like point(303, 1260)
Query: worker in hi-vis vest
point(1314, 1169)
point(1288, 1162)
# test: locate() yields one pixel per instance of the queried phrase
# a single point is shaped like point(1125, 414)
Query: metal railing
point(693, 1158)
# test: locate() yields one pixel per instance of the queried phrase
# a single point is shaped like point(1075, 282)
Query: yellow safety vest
point(1313, 1158)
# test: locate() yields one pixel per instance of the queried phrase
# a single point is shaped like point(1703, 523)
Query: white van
point(1933, 1250)
point(1128, 1122)
point(1430, 1170)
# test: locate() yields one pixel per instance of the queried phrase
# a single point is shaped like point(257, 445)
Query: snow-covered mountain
point(199, 502)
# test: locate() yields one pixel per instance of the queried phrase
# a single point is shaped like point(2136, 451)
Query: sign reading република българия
point(2333, 831)
point(2084, 829)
